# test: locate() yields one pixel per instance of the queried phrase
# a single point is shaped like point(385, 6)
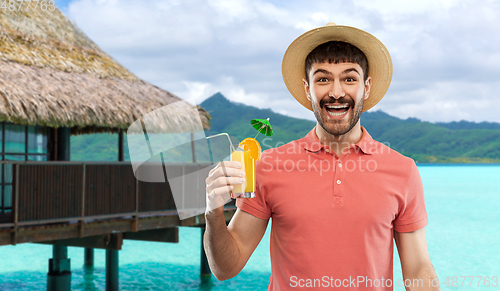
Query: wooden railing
point(53, 192)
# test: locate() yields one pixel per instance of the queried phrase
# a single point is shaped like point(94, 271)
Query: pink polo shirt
point(333, 217)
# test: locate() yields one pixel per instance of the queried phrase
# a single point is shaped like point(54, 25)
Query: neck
point(339, 142)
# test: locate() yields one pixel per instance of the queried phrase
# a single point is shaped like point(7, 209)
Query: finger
point(218, 197)
point(228, 172)
point(222, 182)
point(223, 172)
point(227, 181)
point(226, 165)
point(221, 191)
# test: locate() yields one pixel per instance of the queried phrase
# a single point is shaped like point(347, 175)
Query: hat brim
point(379, 60)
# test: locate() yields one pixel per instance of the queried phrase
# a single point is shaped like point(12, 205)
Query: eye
point(322, 80)
point(350, 79)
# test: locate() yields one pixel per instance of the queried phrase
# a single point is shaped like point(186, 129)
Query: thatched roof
point(52, 74)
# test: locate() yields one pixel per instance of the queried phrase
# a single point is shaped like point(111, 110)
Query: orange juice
point(239, 155)
point(249, 173)
point(247, 189)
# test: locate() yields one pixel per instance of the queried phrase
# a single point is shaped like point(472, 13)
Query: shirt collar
point(366, 143)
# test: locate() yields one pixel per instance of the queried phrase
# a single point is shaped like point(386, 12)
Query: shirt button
point(340, 165)
point(327, 151)
point(338, 182)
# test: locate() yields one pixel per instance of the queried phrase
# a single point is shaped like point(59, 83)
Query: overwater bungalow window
point(19, 143)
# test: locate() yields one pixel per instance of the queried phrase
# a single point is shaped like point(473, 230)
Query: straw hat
point(379, 60)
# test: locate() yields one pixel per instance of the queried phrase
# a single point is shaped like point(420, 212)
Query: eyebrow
point(321, 71)
point(350, 70)
point(328, 73)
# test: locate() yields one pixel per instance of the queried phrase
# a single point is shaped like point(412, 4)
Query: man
point(337, 197)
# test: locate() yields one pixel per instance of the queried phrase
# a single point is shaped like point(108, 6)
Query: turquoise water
point(463, 204)
point(463, 234)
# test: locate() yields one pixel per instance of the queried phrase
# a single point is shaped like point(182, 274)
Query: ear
point(368, 86)
point(306, 89)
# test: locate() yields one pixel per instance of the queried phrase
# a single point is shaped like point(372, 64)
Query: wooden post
point(112, 265)
point(59, 275)
point(63, 148)
point(121, 155)
point(112, 281)
point(89, 257)
point(205, 271)
point(193, 149)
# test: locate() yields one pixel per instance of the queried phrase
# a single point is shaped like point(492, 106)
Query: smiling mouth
point(337, 109)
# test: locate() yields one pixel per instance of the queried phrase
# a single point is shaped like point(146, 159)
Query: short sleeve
point(257, 206)
point(412, 215)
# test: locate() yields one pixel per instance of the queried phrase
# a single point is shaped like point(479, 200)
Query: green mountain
point(430, 142)
point(454, 142)
point(462, 124)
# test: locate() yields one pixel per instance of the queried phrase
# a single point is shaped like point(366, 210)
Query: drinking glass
point(247, 189)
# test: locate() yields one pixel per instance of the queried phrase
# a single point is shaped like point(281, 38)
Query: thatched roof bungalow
point(52, 74)
point(54, 81)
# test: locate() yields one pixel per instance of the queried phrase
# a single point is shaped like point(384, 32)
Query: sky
point(446, 54)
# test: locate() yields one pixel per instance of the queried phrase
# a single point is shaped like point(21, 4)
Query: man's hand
point(415, 261)
point(220, 183)
point(228, 248)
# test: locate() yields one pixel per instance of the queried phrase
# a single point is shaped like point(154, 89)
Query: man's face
point(337, 115)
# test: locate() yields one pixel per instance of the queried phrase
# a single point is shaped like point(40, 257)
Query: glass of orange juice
point(244, 153)
point(247, 152)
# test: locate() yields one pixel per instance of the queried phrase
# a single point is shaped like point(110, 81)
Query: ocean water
point(463, 238)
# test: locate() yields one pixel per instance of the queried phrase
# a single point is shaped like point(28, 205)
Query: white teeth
point(337, 114)
point(345, 106)
point(337, 106)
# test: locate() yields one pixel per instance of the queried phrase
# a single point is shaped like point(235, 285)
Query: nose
point(337, 90)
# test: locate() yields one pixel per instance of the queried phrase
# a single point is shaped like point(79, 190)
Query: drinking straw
point(216, 135)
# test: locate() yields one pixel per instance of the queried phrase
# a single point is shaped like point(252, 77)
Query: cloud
point(198, 91)
point(445, 53)
point(461, 103)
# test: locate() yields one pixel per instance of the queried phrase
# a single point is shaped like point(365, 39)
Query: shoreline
point(457, 164)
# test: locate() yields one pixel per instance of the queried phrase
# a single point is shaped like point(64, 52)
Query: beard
point(338, 127)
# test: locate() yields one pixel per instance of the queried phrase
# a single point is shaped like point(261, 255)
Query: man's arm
point(228, 248)
point(415, 261)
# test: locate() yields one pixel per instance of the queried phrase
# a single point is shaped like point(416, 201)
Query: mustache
point(341, 100)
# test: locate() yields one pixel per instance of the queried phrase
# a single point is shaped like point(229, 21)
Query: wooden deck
point(97, 204)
